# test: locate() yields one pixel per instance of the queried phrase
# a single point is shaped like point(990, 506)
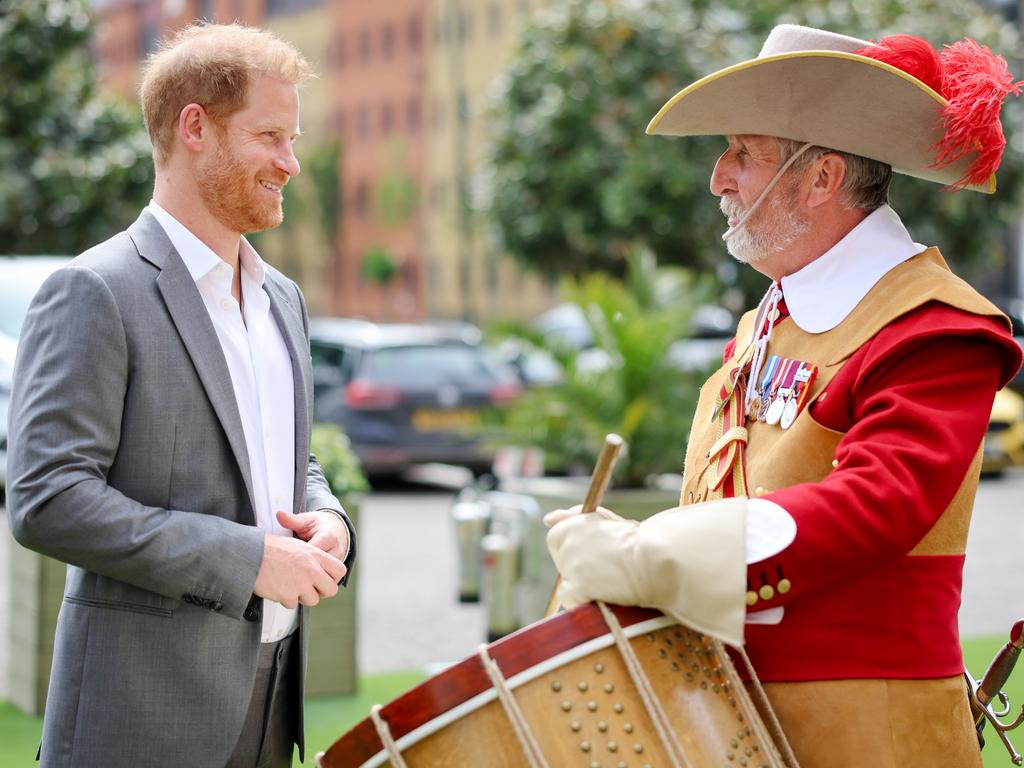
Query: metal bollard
point(500, 572)
point(519, 517)
point(538, 570)
point(471, 519)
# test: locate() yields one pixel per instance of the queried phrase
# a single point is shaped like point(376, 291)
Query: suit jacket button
point(254, 610)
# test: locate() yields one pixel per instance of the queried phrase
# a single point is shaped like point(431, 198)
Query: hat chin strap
point(764, 192)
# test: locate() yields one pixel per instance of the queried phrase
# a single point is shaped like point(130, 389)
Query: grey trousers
point(270, 728)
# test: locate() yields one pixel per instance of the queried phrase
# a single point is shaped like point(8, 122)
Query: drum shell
point(579, 700)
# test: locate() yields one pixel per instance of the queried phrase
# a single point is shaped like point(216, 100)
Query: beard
point(232, 194)
point(771, 229)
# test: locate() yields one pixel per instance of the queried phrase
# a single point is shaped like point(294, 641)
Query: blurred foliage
point(74, 165)
point(633, 390)
point(322, 167)
point(331, 446)
point(574, 183)
point(378, 265)
point(396, 194)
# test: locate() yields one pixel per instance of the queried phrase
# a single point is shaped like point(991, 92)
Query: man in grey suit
point(159, 440)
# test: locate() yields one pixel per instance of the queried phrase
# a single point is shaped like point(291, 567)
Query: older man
point(845, 426)
point(159, 440)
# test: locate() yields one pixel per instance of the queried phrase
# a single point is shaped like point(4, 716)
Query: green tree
point(74, 164)
point(575, 184)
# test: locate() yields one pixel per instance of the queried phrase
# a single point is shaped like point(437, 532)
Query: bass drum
point(595, 686)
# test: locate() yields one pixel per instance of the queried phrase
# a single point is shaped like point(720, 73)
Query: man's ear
point(827, 174)
point(194, 127)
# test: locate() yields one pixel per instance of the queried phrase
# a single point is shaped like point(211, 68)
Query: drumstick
point(595, 491)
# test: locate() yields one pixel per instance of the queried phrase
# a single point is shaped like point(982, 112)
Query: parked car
point(407, 394)
point(701, 351)
point(1004, 439)
point(20, 278)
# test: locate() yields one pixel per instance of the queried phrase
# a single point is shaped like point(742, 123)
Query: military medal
point(759, 402)
point(778, 404)
point(801, 386)
point(771, 385)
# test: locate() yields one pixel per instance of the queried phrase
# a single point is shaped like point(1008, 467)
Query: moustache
point(731, 208)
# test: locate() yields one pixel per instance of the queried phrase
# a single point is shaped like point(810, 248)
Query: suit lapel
point(288, 319)
point(189, 315)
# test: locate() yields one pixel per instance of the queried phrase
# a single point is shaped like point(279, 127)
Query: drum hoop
point(540, 669)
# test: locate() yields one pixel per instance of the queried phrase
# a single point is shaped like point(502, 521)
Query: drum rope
point(531, 748)
point(662, 725)
point(385, 737)
point(766, 711)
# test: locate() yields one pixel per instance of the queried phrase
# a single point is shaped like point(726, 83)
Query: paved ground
point(410, 618)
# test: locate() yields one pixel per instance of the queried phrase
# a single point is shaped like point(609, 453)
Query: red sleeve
point(913, 404)
point(730, 348)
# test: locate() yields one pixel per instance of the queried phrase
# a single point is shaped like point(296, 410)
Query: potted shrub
point(332, 640)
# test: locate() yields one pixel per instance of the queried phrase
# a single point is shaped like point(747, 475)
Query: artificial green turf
point(328, 717)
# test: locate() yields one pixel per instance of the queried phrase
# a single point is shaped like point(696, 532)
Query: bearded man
point(840, 443)
point(159, 440)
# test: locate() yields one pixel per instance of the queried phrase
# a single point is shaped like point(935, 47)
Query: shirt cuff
point(770, 529)
point(348, 529)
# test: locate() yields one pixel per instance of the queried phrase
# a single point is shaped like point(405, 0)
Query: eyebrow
point(264, 127)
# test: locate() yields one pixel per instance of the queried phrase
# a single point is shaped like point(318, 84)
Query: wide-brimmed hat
point(929, 114)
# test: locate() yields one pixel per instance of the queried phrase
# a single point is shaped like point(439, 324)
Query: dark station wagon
point(407, 394)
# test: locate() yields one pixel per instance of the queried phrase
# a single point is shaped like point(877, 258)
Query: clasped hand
point(307, 566)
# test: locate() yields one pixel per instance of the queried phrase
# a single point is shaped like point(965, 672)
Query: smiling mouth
point(271, 187)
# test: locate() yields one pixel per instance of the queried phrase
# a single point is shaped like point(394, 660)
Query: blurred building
point(471, 42)
point(403, 87)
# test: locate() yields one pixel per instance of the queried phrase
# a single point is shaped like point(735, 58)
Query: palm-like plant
point(636, 391)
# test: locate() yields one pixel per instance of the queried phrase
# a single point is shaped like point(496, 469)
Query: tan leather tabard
point(778, 458)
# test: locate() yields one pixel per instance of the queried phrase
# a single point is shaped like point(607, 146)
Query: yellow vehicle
point(1004, 440)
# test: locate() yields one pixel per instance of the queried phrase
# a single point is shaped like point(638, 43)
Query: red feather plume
point(913, 55)
point(975, 82)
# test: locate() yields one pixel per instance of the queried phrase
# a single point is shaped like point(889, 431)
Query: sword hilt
point(983, 693)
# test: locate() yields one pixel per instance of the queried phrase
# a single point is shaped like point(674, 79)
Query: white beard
point(770, 230)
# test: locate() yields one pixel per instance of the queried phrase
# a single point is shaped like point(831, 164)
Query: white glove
point(688, 562)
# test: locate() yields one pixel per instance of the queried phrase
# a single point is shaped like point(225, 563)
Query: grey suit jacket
point(128, 462)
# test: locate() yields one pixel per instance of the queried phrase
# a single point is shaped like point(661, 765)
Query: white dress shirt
point(261, 376)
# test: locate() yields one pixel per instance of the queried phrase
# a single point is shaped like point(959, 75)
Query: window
point(337, 54)
point(437, 195)
point(387, 118)
point(413, 118)
point(332, 366)
point(364, 46)
point(387, 41)
point(494, 20)
point(437, 113)
point(465, 26)
point(361, 199)
point(336, 125)
point(415, 33)
point(363, 122)
point(280, 7)
point(462, 108)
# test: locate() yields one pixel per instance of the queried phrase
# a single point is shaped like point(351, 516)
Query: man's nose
point(287, 161)
point(722, 181)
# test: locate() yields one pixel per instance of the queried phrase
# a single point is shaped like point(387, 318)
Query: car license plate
point(431, 420)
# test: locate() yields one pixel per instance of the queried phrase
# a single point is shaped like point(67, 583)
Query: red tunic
point(913, 404)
